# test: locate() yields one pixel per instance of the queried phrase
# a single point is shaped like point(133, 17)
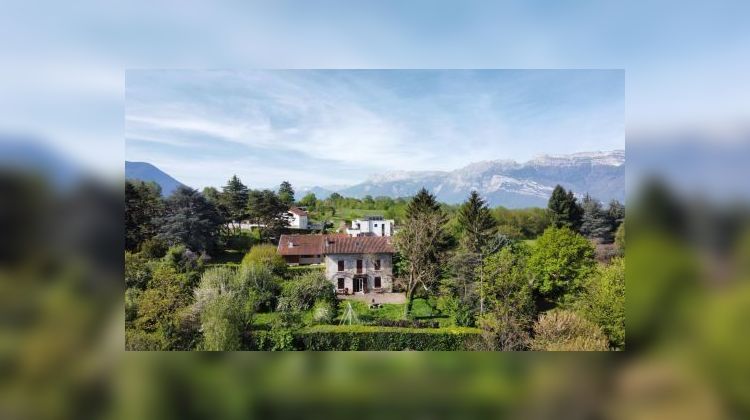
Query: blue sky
point(328, 127)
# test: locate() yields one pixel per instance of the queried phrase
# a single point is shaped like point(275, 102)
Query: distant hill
point(147, 172)
point(508, 183)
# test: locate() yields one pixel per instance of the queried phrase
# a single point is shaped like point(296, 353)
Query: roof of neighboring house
point(359, 245)
point(298, 211)
point(300, 244)
point(305, 244)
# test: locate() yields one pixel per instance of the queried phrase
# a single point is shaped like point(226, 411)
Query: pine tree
point(143, 205)
point(234, 200)
point(423, 202)
point(565, 208)
point(476, 223)
point(286, 193)
point(595, 223)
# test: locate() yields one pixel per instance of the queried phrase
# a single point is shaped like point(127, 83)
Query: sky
point(338, 127)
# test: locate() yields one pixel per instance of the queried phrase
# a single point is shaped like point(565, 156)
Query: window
point(341, 283)
point(341, 265)
point(376, 225)
point(377, 282)
point(377, 264)
point(359, 266)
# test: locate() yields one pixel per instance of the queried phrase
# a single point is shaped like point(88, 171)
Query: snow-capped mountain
point(509, 183)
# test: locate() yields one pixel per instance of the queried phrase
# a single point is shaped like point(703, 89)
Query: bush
point(131, 304)
point(153, 248)
point(136, 340)
point(460, 313)
point(323, 312)
point(603, 301)
point(359, 337)
point(137, 271)
point(301, 293)
point(562, 330)
point(267, 256)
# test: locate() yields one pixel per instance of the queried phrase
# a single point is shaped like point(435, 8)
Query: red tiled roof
point(359, 245)
point(337, 243)
point(300, 245)
point(298, 211)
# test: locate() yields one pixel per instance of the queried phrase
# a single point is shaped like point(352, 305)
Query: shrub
point(136, 340)
point(267, 256)
point(359, 337)
point(323, 312)
point(461, 314)
point(301, 293)
point(153, 248)
point(603, 301)
point(131, 304)
point(562, 330)
point(263, 287)
point(137, 271)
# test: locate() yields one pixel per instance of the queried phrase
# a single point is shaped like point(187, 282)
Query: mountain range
point(147, 172)
point(504, 182)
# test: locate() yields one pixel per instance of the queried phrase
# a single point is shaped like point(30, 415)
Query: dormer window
point(291, 244)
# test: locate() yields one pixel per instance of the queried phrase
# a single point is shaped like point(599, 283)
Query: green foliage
point(460, 313)
point(137, 271)
point(324, 312)
point(476, 223)
point(263, 286)
point(234, 198)
point(153, 248)
point(360, 337)
point(189, 219)
point(603, 301)
point(266, 256)
point(143, 205)
point(422, 203)
point(301, 293)
point(509, 307)
point(131, 304)
point(521, 223)
point(562, 330)
point(595, 222)
point(559, 262)
point(267, 210)
point(620, 238)
point(286, 193)
point(220, 323)
point(138, 340)
point(309, 201)
point(564, 208)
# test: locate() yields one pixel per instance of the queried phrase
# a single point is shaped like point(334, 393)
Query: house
point(297, 218)
point(359, 264)
point(371, 226)
point(301, 249)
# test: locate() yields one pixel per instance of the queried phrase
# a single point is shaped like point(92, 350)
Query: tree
point(562, 330)
point(190, 220)
point(221, 302)
point(267, 256)
point(143, 206)
point(595, 223)
point(286, 193)
point(559, 262)
point(564, 208)
point(603, 301)
point(309, 200)
point(234, 197)
point(476, 223)
point(422, 203)
point(421, 243)
point(510, 306)
point(266, 209)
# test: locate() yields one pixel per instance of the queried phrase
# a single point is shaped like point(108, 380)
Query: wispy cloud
point(322, 127)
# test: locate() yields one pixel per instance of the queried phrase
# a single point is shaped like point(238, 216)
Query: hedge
point(361, 337)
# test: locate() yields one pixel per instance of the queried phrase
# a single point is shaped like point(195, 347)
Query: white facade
point(371, 226)
point(297, 221)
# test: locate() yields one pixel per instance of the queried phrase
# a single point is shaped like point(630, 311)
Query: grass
point(372, 328)
point(420, 310)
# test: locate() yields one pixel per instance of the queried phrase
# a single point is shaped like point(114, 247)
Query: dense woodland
point(475, 277)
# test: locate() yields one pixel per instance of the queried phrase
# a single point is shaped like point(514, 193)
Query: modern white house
point(297, 218)
point(371, 226)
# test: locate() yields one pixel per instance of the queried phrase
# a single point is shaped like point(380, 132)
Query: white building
point(371, 226)
point(297, 218)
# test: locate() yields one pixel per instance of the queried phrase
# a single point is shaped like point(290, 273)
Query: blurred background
point(61, 211)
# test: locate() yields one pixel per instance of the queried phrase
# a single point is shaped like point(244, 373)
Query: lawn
point(420, 310)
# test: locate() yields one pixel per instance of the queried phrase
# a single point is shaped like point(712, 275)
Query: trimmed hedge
point(362, 337)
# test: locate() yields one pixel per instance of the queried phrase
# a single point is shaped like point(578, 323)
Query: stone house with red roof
point(361, 264)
